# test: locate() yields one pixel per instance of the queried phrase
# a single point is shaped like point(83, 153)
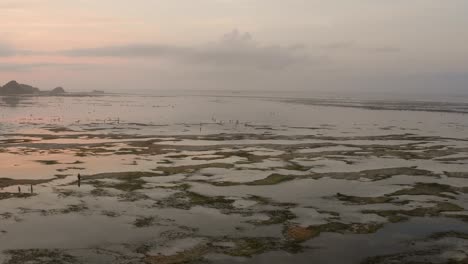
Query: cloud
point(17, 67)
point(21, 67)
point(233, 49)
point(386, 49)
point(133, 50)
point(6, 50)
point(355, 47)
point(339, 45)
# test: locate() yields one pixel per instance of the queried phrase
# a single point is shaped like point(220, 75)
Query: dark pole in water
point(19, 189)
point(79, 180)
point(32, 190)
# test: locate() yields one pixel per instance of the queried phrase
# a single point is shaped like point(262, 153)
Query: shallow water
point(224, 177)
point(334, 248)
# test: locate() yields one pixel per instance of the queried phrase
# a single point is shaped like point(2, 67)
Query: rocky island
point(15, 88)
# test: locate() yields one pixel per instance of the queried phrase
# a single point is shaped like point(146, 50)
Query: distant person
point(32, 190)
point(19, 189)
point(79, 180)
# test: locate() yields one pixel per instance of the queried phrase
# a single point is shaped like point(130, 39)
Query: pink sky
point(304, 44)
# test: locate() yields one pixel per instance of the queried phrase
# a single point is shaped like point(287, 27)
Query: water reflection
point(11, 101)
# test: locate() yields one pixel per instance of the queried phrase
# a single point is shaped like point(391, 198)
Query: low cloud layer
point(236, 61)
point(6, 50)
point(159, 44)
point(234, 49)
point(25, 67)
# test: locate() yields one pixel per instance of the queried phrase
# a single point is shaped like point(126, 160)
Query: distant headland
point(15, 88)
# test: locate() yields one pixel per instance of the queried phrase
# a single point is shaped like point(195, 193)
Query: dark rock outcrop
point(15, 88)
point(58, 90)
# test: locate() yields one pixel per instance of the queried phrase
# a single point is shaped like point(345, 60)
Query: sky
point(278, 45)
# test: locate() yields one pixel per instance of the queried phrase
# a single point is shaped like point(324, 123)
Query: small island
point(15, 88)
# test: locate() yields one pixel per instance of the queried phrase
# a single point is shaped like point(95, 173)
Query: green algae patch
point(430, 189)
point(433, 189)
point(73, 208)
point(39, 256)
point(187, 256)
point(272, 180)
point(355, 200)
point(186, 200)
point(207, 158)
point(129, 181)
point(144, 222)
point(252, 246)
point(208, 201)
point(5, 196)
point(181, 156)
point(129, 185)
point(99, 192)
point(133, 196)
point(128, 175)
point(401, 215)
point(268, 201)
point(60, 129)
point(48, 162)
point(110, 213)
point(192, 168)
point(301, 234)
point(456, 174)
point(436, 248)
point(377, 174)
point(374, 175)
point(448, 234)
point(241, 247)
point(251, 158)
point(354, 228)
point(275, 217)
point(7, 182)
